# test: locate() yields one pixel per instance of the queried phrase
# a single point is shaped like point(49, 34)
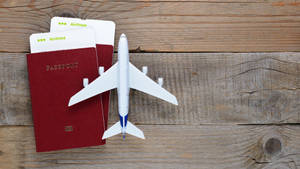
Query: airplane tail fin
point(117, 129)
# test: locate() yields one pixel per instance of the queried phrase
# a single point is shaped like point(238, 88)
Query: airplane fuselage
point(123, 87)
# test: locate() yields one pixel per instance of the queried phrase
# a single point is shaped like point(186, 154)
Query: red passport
point(104, 38)
point(54, 77)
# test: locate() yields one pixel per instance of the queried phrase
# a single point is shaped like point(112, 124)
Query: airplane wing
point(139, 81)
point(107, 81)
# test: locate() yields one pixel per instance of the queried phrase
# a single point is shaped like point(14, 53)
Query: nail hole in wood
point(273, 146)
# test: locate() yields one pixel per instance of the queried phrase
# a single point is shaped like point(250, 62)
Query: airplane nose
point(123, 35)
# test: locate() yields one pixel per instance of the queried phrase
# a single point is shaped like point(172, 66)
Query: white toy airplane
point(123, 76)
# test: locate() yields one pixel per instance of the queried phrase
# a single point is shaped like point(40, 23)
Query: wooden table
point(234, 66)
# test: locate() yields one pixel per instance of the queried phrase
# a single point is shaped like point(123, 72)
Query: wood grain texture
point(185, 26)
point(166, 146)
point(212, 88)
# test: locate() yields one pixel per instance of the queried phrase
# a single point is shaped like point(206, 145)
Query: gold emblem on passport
point(68, 128)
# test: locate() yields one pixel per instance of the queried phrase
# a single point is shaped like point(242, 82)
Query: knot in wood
point(273, 146)
point(65, 12)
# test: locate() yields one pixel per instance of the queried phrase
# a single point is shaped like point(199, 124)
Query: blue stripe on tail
point(121, 120)
point(126, 120)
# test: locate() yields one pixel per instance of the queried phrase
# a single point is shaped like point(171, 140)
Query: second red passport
point(54, 77)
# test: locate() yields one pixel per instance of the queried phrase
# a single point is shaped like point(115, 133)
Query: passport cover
point(53, 78)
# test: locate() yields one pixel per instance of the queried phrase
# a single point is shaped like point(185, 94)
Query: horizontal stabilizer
point(117, 129)
point(133, 130)
point(113, 130)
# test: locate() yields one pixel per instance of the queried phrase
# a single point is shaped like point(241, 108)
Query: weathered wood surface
point(166, 146)
point(212, 88)
point(236, 110)
point(198, 25)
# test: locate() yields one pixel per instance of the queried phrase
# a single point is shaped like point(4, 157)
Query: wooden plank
point(166, 146)
point(215, 25)
point(212, 88)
